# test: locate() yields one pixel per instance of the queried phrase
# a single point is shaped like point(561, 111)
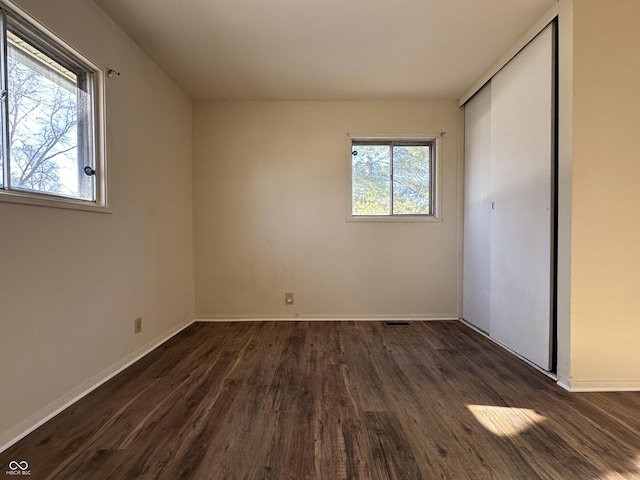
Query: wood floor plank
point(393, 456)
point(341, 445)
point(437, 415)
point(569, 412)
point(335, 400)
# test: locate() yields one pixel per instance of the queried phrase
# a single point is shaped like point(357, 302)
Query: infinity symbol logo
point(13, 465)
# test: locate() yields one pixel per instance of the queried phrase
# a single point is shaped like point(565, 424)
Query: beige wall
point(72, 282)
point(605, 224)
point(270, 207)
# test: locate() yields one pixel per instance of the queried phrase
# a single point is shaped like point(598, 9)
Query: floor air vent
point(396, 324)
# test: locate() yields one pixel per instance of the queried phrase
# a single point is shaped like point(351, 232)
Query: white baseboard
point(27, 426)
point(322, 318)
point(600, 385)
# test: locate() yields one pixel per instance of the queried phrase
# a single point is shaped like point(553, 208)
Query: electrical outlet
point(288, 298)
point(137, 325)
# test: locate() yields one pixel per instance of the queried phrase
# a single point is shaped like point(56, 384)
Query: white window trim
point(436, 216)
point(101, 204)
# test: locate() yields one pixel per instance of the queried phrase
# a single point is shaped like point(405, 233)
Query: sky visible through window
point(43, 103)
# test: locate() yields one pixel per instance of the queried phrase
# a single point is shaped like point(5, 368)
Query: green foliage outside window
point(391, 178)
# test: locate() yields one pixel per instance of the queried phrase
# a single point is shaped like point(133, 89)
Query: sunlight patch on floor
point(505, 421)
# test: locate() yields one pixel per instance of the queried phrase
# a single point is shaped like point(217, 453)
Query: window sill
point(64, 203)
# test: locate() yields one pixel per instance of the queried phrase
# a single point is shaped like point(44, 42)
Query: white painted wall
point(270, 208)
point(564, 194)
point(72, 282)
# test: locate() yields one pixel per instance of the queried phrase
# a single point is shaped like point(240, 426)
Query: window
point(48, 110)
point(392, 178)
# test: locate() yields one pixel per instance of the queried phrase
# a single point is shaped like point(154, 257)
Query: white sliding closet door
point(476, 289)
point(508, 204)
point(522, 113)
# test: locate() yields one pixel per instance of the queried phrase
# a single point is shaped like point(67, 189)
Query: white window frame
point(52, 44)
point(436, 210)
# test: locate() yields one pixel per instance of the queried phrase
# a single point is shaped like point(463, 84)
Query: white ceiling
point(325, 49)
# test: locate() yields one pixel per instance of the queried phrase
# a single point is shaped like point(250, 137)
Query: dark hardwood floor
point(335, 400)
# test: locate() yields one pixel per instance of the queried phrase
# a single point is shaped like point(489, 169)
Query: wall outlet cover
point(288, 298)
point(137, 325)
